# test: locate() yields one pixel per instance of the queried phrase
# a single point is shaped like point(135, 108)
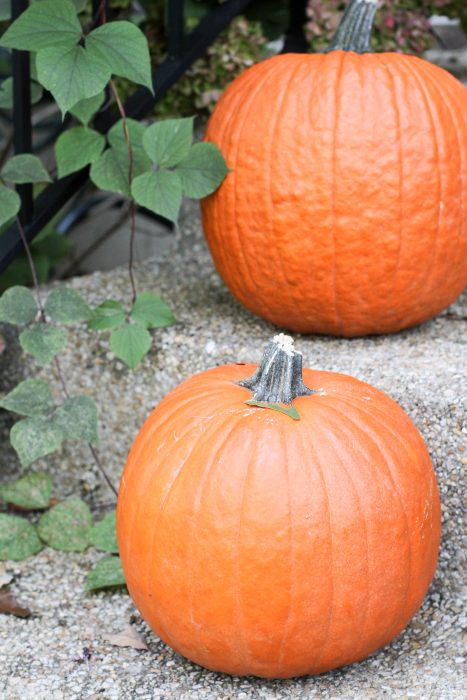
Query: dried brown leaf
point(10, 606)
point(128, 637)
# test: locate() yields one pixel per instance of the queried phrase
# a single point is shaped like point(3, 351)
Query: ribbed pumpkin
point(253, 543)
point(345, 211)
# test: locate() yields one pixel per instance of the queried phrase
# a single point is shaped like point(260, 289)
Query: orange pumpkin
point(253, 543)
point(345, 211)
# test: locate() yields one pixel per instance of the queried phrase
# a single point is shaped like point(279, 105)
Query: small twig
point(132, 209)
point(32, 267)
point(103, 472)
point(56, 360)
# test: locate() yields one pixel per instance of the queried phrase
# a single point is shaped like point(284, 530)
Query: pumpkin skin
point(345, 211)
point(255, 544)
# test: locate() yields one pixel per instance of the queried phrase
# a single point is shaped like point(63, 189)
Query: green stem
point(354, 30)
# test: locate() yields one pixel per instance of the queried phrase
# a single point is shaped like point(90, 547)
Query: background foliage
point(401, 25)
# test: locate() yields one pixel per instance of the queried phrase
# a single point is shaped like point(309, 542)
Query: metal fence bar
point(295, 40)
point(56, 195)
point(175, 28)
point(22, 112)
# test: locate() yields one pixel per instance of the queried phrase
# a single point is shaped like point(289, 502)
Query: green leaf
point(116, 138)
point(107, 573)
point(30, 398)
point(71, 74)
point(103, 534)
point(151, 311)
point(110, 172)
point(130, 343)
point(32, 491)
point(108, 315)
point(33, 438)
point(66, 526)
point(6, 93)
point(18, 538)
point(288, 410)
point(160, 191)
point(202, 171)
point(10, 204)
point(43, 24)
point(116, 135)
point(65, 305)
point(84, 110)
point(76, 148)
point(25, 168)
point(77, 419)
point(168, 142)
point(125, 50)
point(17, 305)
point(43, 341)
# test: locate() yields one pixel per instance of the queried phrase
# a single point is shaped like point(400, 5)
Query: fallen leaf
point(128, 637)
point(5, 577)
point(10, 606)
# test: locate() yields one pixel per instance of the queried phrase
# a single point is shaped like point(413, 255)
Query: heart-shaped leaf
point(103, 534)
point(107, 573)
point(202, 171)
point(10, 204)
point(130, 343)
point(25, 168)
point(76, 148)
point(32, 397)
point(32, 491)
point(33, 438)
point(160, 192)
point(18, 538)
point(43, 24)
point(71, 74)
point(65, 305)
point(168, 142)
point(66, 526)
point(43, 341)
point(17, 305)
point(151, 311)
point(77, 419)
point(123, 46)
point(109, 314)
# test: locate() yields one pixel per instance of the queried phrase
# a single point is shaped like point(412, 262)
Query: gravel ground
point(59, 652)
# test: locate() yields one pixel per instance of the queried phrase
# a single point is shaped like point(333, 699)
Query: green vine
point(153, 166)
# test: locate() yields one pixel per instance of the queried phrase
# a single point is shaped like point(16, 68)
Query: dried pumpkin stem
point(278, 378)
point(354, 30)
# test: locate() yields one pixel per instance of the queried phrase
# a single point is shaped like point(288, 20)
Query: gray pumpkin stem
point(278, 378)
point(354, 30)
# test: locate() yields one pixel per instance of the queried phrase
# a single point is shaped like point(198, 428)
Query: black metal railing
point(183, 50)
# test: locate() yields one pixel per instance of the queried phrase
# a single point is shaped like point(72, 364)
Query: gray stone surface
point(44, 657)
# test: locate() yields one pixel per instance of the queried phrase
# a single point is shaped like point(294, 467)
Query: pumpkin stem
point(354, 30)
point(278, 378)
